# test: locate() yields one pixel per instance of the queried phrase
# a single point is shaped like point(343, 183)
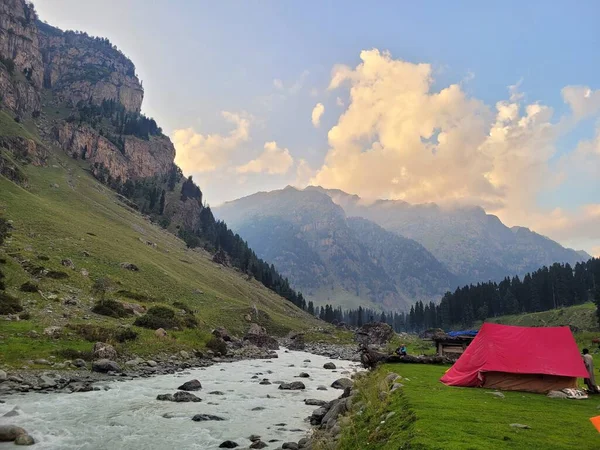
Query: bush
point(158, 317)
point(9, 304)
point(57, 275)
point(43, 258)
point(25, 315)
point(28, 286)
point(184, 307)
point(93, 333)
point(217, 345)
point(125, 335)
point(110, 308)
point(72, 354)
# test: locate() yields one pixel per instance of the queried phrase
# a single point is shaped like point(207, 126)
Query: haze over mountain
point(339, 249)
point(334, 259)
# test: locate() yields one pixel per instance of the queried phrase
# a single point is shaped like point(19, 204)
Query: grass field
point(66, 214)
point(581, 316)
point(430, 415)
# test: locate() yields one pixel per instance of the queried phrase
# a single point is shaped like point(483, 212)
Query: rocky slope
point(333, 259)
point(475, 246)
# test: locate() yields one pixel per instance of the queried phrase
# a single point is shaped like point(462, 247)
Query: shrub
point(28, 286)
point(110, 308)
point(125, 335)
point(25, 315)
point(43, 258)
point(9, 304)
point(190, 321)
point(158, 317)
point(71, 353)
point(217, 345)
point(57, 275)
point(93, 333)
point(184, 307)
point(2, 260)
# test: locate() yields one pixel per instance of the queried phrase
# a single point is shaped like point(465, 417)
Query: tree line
point(557, 286)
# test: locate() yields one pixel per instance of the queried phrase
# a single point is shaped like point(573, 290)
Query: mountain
point(332, 258)
point(97, 223)
point(475, 246)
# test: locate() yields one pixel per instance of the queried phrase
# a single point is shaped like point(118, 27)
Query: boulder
point(102, 350)
point(293, 386)
point(337, 407)
point(192, 385)
point(184, 354)
point(329, 366)
point(68, 263)
point(377, 333)
point(342, 383)
point(222, 333)
point(129, 266)
point(303, 375)
point(9, 433)
point(80, 363)
point(297, 342)
point(290, 446)
point(314, 402)
point(258, 444)
point(134, 309)
point(3, 376)
point(53, 332)
point(262, 341)
point(557, 394)
point(256, 329)
point(184, 397)
point(265, 382)
point(206, 417)
point(160, 333)
point(24, 439)
point(228, 444)
point(105, 365)
point(151, 363)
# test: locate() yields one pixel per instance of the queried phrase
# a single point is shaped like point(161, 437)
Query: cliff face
point(140, 158)
point(19, 47)
point(78, 67)
point(76, 71)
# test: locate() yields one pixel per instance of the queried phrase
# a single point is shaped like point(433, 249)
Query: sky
point(495, 104)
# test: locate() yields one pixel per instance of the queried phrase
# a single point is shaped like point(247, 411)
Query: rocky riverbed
point(237, 400)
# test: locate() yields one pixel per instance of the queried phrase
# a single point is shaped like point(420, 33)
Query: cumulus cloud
point(294, 86)
point(340, 102)
point(583, 101)
point(400, 138)
point(304, 173)
point(197, 152)
point(317, 113)
point(273, 160)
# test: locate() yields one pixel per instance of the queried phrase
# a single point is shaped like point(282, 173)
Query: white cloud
point(317, 113)
point(294, 87)
point(205, 153)
point(304, 173)
point(278, 84)
point(273, 160)
point(340, 102)
point(398, 138)
point(583, 101)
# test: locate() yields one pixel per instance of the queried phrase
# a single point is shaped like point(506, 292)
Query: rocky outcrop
point(140, 158)
point(377, 333)
point(78, 67)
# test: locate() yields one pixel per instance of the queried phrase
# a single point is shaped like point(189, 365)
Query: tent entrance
point(538, 383)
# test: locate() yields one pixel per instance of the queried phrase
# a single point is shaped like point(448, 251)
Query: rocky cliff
point(59, 81)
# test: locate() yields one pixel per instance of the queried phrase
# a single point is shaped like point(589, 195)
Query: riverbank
point(246, 394)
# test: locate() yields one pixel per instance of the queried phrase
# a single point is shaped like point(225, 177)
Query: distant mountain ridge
point(338, 249)
point(473, 245)
point(333, 259)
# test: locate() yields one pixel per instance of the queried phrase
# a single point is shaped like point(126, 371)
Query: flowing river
point(128, 416)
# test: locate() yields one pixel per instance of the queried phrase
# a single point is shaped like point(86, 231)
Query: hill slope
point(332, 259)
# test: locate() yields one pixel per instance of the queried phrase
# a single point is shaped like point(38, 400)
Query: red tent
point(519, 358)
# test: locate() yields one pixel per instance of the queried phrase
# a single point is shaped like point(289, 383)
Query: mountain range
point(339, 249)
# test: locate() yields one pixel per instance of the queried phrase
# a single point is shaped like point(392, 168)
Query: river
point(128, 416)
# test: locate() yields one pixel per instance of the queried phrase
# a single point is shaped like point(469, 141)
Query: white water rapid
point(128, 416)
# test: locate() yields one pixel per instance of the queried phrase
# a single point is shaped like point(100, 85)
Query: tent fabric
point(517, 350)
point(527, 382)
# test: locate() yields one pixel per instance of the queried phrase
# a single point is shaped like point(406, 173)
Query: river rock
point(293, 386)
point(105, 365)
point(9, 433)
point(262, 341)
point(228, 444)
point(297, 342)
point(256, 329)
point(192, 385)
point(322, 388)
point(102, 350)
point(206, 417)
point(222, 333)
point(12, 413)
point(181, 397)
point(303, 375)
point(265, 382)
point(216, 393)
point(258, 444)
point(329, 366)
point(317, 415)
point(314, 402)
point(290, 446)
point(3, 376)
point(151, 363)
point(80, 363)
point(24, 439)
point(337, 407)
point(342, 383)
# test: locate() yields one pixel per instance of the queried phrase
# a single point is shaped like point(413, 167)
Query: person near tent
point(401, 351)
point(590, 381)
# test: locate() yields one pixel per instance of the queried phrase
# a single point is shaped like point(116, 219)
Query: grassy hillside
point(430, 415)
point(581, 316)
point(66, 214)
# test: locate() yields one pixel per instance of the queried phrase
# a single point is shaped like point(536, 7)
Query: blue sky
point(269, 63)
